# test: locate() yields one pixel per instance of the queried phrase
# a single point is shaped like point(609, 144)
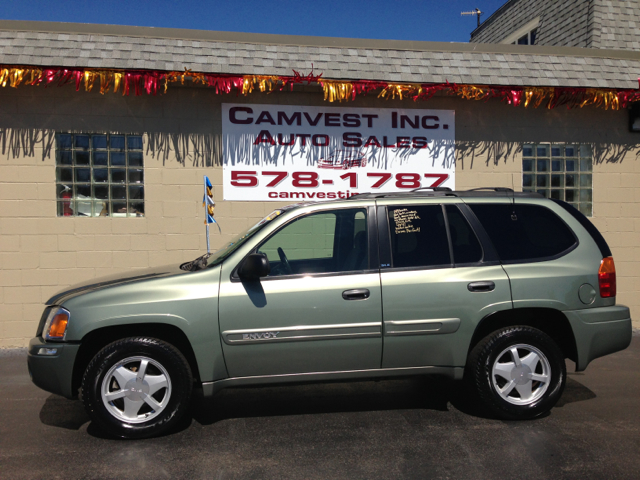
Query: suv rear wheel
point(137, 387)
point(518, 372)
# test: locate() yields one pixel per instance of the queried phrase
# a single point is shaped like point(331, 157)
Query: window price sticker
point(276, 152)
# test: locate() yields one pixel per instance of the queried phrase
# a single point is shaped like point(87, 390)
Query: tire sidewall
point(179, 376)
point(500, 341)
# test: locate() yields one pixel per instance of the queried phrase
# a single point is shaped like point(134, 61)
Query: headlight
point(55, 328)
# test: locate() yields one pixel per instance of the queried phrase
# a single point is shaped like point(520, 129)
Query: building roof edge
point(299, 40)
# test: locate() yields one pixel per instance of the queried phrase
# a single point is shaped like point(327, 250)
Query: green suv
point(492, 286)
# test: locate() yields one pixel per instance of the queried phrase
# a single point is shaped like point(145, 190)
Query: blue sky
point(397, 20)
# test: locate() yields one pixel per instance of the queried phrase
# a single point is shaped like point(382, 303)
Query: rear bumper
point(599, 332)
point(52, 373)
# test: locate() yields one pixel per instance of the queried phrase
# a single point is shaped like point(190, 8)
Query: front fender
point(188, 302)
point(205, 344)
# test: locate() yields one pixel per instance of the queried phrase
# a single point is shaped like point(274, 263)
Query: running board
point(210, 388)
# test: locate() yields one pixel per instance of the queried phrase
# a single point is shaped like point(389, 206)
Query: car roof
point(428, 192)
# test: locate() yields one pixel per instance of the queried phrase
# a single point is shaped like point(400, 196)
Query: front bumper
point(599, 332)
point(52, 373)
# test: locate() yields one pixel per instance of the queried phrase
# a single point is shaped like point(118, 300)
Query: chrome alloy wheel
point(521, 374)
point(136, 389)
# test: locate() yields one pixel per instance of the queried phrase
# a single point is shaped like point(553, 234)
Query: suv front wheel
point(518, 372)
point(137, 387)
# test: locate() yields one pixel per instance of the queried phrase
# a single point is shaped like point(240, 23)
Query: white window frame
point(526, 29)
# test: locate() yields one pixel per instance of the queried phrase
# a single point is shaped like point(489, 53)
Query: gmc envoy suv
point(491, 286)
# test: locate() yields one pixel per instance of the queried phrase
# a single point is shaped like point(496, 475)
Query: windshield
point(218, 256)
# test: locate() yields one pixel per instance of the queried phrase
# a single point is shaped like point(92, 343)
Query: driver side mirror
point(254, 266)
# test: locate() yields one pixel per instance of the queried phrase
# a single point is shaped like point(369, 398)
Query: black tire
point(495, 350)
point(172, 399)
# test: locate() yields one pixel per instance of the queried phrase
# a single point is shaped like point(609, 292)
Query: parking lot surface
point(400, 428)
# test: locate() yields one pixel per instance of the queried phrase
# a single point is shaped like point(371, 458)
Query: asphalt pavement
point(387, 429)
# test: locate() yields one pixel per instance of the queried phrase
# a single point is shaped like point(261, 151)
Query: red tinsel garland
point(140, 81)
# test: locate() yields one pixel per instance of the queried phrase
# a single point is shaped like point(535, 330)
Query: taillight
point(607, 278)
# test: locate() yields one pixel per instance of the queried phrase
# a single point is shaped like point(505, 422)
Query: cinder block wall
point(41, 253)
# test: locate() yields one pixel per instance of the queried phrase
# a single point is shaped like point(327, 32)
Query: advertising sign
point(283, 152)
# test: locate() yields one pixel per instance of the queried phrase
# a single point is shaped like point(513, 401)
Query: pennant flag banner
point(208, 203)
point(209, 206)
point(154, 82)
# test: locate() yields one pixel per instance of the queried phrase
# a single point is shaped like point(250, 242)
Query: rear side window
point(466, 247)
point(418, 236)
point(524, 232)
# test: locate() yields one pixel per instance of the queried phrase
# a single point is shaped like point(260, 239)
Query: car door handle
point(357, 294)
point(481, 286)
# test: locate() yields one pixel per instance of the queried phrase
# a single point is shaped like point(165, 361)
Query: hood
point(113, 280)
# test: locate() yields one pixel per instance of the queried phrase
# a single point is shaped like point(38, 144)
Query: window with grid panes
point(560, 171)
point(99, 174)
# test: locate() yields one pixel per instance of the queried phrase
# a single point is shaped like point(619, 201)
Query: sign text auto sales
point(281, 152)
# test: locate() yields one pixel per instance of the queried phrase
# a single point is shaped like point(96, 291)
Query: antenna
point(474, 12)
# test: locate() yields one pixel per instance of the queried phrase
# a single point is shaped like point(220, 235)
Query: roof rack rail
point(435, 189)
point(495, 189)
point(358, 195)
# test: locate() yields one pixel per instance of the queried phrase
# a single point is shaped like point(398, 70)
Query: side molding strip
point(210, 388)
point(302, 333)
point(434, 326)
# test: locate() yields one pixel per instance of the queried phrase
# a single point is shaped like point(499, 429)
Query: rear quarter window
point(588, 226)
point(525, 232)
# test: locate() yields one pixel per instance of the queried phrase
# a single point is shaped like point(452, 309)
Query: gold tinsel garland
point(140, 81)
point(337, 91)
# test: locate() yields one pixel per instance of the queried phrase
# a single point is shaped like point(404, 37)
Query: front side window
point(324, 242)
point(524, 232)
point(220, 255)
point(99, 174)
point(418, 236)
point(559, 171)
